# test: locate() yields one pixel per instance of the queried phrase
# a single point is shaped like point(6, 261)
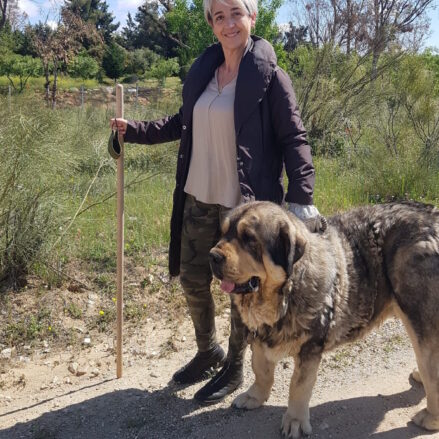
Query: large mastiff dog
point(301, 294)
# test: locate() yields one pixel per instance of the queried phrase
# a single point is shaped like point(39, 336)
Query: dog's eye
point(247, 238)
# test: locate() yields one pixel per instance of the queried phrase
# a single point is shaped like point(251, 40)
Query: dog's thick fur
point(319, 290)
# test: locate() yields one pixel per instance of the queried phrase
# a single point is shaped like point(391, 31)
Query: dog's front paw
point(292, 427)
point(426, 420)
point(246, 401)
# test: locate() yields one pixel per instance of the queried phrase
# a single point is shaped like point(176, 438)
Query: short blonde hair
point(250, 5)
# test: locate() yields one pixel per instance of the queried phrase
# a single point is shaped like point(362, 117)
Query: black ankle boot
point(201, 367)
point(226, 381)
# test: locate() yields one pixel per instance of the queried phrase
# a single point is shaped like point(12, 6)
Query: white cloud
point(41, 10)
point(52, 24)
point(124, 5)
point(31, 8)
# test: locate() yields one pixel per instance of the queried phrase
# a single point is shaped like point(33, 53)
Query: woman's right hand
point(119, 125)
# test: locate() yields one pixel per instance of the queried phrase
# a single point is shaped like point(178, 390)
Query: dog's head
point(256, 254)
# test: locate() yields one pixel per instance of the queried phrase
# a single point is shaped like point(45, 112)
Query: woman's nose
point(230, 22)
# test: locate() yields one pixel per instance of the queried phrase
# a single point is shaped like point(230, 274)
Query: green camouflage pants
point(201, 231)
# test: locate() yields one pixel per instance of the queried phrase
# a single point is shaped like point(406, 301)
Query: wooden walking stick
point(120, 237)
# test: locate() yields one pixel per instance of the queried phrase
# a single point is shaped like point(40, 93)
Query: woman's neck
point(232, 58)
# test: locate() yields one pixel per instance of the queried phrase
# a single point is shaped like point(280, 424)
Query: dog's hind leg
point(260, 390)
point(414, 273)
point(427, 357)
point(429, 418)
point(416, 376)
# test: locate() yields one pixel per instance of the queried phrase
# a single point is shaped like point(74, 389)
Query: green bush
point(57, 188)
point(164, 68)
point(18, 69)
point(83, 66)
point(31, 176)
point(114, 60)
point(140, 60)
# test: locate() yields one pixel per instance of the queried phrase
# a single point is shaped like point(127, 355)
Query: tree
point(149, 29)
point(55, 47)
point(163, 68)
point(266, 25)
point(96, 12)
point(83, 66)
point(11, 14)
point(3, 13)
point(391, 21)
point(140, 60)
point(294, 36)
point(365, 26)
point(415, 84)
point(23, 67)
point(114, 61)
point(194, 38)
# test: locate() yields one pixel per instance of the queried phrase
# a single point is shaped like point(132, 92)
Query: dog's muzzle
point(252, 286)
point(216, 261)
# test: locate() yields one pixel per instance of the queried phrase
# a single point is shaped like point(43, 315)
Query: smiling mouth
point(251, 286)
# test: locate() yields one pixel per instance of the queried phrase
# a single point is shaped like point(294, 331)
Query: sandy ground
point(363, 391)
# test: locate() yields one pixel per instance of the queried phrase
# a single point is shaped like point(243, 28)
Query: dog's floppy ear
point(286, 249)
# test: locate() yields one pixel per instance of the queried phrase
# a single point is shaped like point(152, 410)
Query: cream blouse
point(213, 175)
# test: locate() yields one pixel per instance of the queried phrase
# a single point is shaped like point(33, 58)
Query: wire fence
point(102, 96)
point(5, 90)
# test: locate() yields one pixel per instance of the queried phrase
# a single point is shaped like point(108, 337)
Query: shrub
point(140, 60)
point(83, 66)
point(21, 67)
point(163, 68)
point(114, 61)
point(33, 172)
point(130, 79)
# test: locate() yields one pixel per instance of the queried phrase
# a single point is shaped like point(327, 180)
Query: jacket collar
point(254, 75)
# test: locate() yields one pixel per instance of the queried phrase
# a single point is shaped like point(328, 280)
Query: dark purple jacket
point(269, 133)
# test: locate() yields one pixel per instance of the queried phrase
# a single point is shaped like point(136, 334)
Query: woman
point(239, 125)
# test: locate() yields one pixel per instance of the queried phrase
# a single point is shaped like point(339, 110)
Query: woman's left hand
point(310, 215)
point(119, 125)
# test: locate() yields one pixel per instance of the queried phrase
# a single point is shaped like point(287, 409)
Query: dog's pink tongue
point(226, 286)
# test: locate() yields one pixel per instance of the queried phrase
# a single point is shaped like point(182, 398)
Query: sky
point(47, 10)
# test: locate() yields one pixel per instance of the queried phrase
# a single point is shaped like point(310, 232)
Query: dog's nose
point(216, 258)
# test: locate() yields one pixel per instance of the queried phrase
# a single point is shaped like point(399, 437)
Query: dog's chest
point(277, 342)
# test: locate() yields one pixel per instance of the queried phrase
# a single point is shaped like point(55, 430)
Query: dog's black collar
point(250, 287)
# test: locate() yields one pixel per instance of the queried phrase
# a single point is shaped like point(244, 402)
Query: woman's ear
point(253, 19)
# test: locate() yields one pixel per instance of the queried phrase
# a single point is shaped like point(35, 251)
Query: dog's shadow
point(133, 413)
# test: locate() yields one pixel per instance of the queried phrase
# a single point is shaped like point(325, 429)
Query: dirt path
point(363, 391)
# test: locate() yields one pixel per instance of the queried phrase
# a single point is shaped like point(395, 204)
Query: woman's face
point(231, 24)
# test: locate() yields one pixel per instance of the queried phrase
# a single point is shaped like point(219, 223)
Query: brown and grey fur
point(318, 291)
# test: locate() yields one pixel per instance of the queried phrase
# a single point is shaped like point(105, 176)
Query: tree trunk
point(3, 10)
point(349, 26)
point(54, 85)
point(377, 42)
point(47, 85)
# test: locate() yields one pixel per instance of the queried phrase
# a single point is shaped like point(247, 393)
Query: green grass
point(64, 158)
point(337, 188)
point(73, 310)
point(147, 212)
point(29, 328)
